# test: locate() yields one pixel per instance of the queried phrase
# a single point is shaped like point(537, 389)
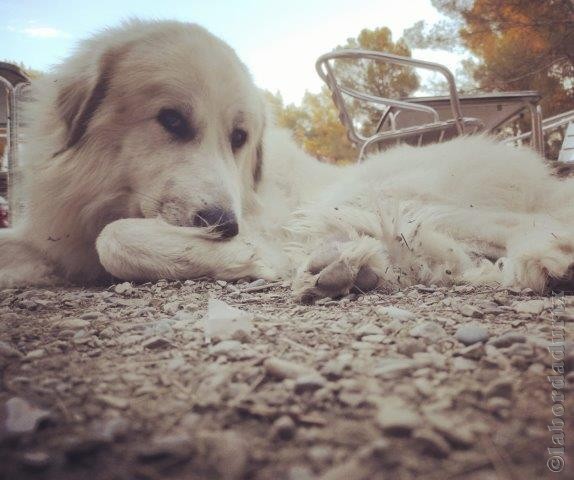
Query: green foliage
point(315, 125)
point(376, 78)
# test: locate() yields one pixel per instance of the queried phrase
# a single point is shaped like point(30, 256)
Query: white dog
point(149, 156)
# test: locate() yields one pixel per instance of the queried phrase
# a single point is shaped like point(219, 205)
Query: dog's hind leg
point(540, 260)
point(21, 264)
point(150, 249)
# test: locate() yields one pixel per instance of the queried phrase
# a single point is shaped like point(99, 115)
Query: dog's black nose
point(222, 221)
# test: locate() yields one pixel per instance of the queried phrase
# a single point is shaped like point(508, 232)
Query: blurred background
point(490, 45)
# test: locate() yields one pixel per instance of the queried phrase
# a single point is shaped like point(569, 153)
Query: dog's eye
point(238, 138)
point(174, 123)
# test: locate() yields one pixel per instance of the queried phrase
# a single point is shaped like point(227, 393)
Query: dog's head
point(172, 111)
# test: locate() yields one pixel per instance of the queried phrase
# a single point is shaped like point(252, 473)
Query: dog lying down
point(149, 156)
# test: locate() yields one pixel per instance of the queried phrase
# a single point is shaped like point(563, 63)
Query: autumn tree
point(315, 125)
point(376, 78)
point(519, 44)
point(315, 122)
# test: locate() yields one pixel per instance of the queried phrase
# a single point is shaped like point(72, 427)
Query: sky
point(278, 40)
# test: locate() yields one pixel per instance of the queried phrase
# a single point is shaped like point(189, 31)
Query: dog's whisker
point(149, 197)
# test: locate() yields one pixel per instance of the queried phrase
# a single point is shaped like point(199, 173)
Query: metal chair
point(391, 108)
point(564, 119)
point(13, 82)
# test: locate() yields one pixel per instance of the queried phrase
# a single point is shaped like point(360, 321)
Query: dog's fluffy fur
point(110, 192)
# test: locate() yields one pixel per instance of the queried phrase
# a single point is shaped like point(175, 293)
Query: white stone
point(223, 321)
point(396, 313)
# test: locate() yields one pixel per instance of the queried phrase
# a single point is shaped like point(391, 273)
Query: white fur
point(470, 210)
point(114, 202)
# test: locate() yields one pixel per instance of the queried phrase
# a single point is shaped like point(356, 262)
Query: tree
point(315, 122)
point(520, 44)
point(377, 78)
point(524, 45)
point(315, 125)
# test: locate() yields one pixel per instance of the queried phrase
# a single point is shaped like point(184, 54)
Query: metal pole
point(15, 157)
point(10, 143)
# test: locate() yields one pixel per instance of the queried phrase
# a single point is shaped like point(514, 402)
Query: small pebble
point(395, 417)
point(37, 460)
point(502, 388)
point(35, 354)
point(368, 329)
point(175, 448)
point(22, 416)
point(499, 406)
point(123, 288)
point(171, 308)
point(469, 334)
point(301, 472)
point(374, 338)
point(410, 346)
point(458, 435)
point(226, 347)
point(394, 366)
point(473, 352)
point(73, 324)
point(320, 455)
point(309, 383)
point(507, 339)
point(429, 330)
point(8, 351)
point(425, 289)
point(431, 443)
point(462, 364)
point(283, 428)
point(78, 449)
point(115, 402)
point(28, 304)
point(282, 369)
point(154, 343)
point(111, 429)
point(470, 311)
point(531, 307)
point(396, 313)
point(463, 289)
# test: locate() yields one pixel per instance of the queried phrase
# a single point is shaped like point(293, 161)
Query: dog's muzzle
point(223, 222)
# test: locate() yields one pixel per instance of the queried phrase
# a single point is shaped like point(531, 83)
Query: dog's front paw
point(336, 269)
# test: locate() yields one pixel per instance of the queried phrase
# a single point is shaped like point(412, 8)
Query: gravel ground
point(131, 382)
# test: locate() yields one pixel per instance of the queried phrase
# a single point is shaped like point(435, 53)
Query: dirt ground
point(121, 383)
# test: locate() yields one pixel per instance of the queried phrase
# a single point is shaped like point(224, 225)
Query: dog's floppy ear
point(79, 99)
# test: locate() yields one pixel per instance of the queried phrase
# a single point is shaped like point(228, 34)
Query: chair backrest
point(390, 108)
